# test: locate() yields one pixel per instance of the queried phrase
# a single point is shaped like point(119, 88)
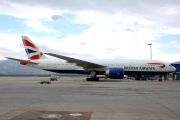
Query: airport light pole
point(150, 44)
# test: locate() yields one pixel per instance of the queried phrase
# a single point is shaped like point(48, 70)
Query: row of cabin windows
point(105, 64)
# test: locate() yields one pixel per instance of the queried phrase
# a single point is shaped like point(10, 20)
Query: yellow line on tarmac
point(162, 91)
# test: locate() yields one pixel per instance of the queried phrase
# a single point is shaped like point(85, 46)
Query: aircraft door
point(49, 64)
point(131, 64)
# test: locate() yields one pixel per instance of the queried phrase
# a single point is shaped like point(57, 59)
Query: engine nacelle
point(115, 73)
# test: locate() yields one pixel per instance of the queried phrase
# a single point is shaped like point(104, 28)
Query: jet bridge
point(176, 75)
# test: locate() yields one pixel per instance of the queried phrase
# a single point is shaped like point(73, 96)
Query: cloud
point(175, 44)
point(117, 28)
point(57, 17)
point(130, 30)
point(38, 26)
point(61, 36)
point(83, 43)
point(163, 13)
point(112, 49)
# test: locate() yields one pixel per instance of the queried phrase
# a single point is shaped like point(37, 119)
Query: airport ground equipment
point(54, 78)
point(47, 82)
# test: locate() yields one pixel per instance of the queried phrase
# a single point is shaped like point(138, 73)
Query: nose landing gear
point(92, 79)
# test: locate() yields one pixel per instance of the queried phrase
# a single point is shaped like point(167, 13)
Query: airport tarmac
point(106, 99)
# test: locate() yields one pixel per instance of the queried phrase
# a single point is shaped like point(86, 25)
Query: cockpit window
point(170, 65)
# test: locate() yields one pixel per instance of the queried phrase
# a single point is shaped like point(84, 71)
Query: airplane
point(93, 68)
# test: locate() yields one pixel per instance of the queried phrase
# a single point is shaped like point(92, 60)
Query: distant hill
point(10, 67)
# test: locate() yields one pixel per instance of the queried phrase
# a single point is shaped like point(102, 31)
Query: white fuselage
point(130, 66)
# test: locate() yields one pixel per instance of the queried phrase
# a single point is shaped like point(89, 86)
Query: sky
point(93, 29)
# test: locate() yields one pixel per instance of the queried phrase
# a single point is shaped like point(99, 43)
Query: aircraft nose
point(174, 69)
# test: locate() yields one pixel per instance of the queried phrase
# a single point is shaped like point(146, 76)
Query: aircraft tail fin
point(32, 51)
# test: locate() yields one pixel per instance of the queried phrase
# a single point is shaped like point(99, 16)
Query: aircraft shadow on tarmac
point(107, 80)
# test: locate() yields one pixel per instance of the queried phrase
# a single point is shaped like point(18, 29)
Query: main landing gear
point(92, 79)
point(160, 78)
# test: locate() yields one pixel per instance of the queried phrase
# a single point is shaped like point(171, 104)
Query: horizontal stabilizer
point(20, 60)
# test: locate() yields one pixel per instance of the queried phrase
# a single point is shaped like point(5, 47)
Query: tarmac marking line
point(161, 91)
point(58, 115)
point(24, 115)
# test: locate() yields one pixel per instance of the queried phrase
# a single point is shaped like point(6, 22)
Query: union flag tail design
point(32, 51)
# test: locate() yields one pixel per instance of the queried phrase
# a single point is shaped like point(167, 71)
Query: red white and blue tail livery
point(32, 51)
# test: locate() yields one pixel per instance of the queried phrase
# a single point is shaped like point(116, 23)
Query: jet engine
point(115, 73)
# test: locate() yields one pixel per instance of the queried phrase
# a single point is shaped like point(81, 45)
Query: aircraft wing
point(20, 60)
point(78, 62)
